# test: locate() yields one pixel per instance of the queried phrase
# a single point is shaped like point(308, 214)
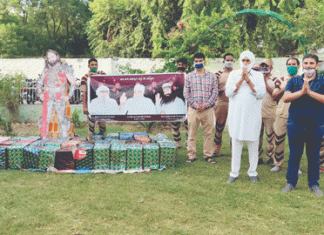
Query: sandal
point(191, 160)
point(210, 160)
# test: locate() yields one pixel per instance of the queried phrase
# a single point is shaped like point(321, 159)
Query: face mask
point(93, 70)
point(229, 64)
point(292, 70)
point(265, 70)
point(199, 65)
point(246, 66)
point(181, 69)
point(309, 72)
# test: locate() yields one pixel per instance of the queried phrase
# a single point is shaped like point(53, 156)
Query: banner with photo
point(137, 97)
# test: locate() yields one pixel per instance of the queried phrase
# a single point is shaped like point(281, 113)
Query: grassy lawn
point(188, 199)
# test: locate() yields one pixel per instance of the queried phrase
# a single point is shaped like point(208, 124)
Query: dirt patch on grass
point(24, 129)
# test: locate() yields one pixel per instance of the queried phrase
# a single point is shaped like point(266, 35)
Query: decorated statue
point(55, 87)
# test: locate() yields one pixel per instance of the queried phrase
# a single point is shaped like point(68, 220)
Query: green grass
point(188, 199)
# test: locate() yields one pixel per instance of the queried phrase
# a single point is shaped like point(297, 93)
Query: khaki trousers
point(267, 127)
point(206, 119)
point(221, 116)
point(280, 130)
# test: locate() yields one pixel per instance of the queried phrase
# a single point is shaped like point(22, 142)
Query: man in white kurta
point(138, 105)
point(174, 106)
point(245, 89)
point(103, 104)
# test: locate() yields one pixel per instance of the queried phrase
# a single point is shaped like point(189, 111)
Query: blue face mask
point(265, 70)
point(199, 65)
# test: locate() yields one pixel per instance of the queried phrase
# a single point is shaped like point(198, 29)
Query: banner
point(137, 97)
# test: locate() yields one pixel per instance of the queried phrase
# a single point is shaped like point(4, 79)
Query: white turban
point(166, 85)
point(102, 88)
point(139, 87)
point(249, 55)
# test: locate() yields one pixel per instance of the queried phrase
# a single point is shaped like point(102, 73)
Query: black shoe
point(260, 161)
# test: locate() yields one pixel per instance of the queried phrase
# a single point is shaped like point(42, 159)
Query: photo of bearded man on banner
point(103, 104)
point(137, 105)
point(169, 102)
point(55, 87)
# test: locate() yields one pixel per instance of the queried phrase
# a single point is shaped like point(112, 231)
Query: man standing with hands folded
point(200, 90)
point(305, 123)
point(245, 89)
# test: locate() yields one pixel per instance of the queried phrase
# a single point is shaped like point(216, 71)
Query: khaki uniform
point(91, 123)
point(269, 107)
point(175, 126)
point(280, 127)
point(221, 109)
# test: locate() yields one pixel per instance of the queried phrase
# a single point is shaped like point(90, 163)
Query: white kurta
point(244, 114)
point(103, 107)
point(138, 106)
point(177, 106)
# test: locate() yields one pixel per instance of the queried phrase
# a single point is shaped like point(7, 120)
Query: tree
point(30, 27)
point(309, 25)
point(118, 29)
point(256, 31)
point(10, 88)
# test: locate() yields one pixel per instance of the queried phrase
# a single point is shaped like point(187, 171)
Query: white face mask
point(309, 72)
point(229, 64)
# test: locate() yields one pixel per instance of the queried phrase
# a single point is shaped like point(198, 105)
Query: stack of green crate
point(39, 157)
point(15, 155)
point(151, 156)
point(101, 156)
point(31, 156)
point(134, 156)
point(47, 157)
point(85, 163)
point(2, 157)
point(118, 153)
point(167, 153)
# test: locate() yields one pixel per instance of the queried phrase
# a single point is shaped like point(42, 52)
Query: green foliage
point(29, 28)
point(127, 69)
point(6, 127)
point(76, 118)
point(309, 25)
point(266, 36)
point(10, 88)
point(118, 29)
point(148, 126)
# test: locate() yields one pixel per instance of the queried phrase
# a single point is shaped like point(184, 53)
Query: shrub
point(10, 88)
point(76, 118)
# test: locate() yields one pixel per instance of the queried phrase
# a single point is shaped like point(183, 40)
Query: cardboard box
point(168, 152)
point(151, 156)
point(86, 162)
point(101, 156)
point(118, 153)
point(134, 156)
point(3, 158)
point(39, 157)
point(15, 155)
point(64, 159)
